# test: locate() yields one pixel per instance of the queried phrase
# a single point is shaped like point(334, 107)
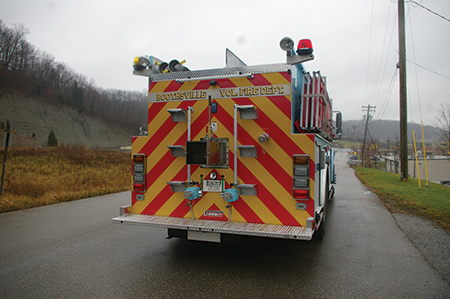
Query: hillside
point(32, 120)
point(384, 130)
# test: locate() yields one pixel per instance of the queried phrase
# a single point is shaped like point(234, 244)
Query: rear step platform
point(212, 226)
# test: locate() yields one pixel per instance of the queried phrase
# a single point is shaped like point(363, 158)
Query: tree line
point(29, 71)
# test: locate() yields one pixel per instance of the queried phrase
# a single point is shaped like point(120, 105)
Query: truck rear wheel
point(320, 233)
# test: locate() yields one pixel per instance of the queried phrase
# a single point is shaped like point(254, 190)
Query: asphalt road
point(72, 250)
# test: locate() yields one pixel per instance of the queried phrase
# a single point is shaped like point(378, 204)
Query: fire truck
point(239, 150)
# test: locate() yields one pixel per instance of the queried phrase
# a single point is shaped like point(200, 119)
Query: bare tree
point(443, 123)
point(14, 48)
point(27, 70)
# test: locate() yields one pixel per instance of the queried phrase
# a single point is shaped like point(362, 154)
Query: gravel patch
point(432, 241)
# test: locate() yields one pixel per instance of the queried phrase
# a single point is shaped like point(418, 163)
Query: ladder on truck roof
point(315, 115)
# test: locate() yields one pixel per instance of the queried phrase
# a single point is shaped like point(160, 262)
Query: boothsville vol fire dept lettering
point(236, 92)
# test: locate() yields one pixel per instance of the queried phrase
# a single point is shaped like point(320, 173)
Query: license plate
point(212, 186)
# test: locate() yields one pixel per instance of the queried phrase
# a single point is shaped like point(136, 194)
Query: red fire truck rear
point(240, 150)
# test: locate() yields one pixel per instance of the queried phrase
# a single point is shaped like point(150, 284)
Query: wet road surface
point(72, 250)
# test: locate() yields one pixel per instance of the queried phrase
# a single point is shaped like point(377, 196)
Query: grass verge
point(432, 203)
point(36, 177)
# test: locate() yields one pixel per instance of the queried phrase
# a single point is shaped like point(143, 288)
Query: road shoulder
point(432, 241)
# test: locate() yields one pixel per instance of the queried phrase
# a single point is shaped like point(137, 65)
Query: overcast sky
point(355, 42)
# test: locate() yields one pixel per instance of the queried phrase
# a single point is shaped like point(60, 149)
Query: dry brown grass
point(36, 177)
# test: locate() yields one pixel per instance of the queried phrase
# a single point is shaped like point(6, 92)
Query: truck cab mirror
point(338, 134)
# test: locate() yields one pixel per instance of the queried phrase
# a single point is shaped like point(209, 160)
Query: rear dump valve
point(230, 195)
point(190, 194)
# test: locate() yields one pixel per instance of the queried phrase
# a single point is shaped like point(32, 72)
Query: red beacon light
point(304, 50)
point(305, 47)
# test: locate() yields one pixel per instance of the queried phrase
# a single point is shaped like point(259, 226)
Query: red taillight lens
point(301, 194)
point(139, 187)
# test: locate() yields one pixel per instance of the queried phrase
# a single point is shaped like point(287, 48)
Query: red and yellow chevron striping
point(271, 172)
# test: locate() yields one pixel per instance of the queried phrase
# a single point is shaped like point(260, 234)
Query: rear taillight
point(301, 177)
point(139, 173)
point(138, 187)
point(301, 194)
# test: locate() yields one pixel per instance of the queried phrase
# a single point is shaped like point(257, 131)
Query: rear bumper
point(233, 228)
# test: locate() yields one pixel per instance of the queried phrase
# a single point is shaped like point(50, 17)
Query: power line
point(382, 67)
point(433, 12)
point(415, 70)
point(387, 97)
point(370, 46)
point(427, 69)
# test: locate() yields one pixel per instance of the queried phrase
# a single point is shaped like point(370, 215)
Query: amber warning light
point(301, 160)
point(139, 158)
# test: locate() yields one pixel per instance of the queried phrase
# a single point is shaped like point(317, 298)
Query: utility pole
point(369, 108)
point(403, 92)
point(354, 137)
point(8, 138)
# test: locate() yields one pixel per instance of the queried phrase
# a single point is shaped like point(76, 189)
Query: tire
point(320, 233)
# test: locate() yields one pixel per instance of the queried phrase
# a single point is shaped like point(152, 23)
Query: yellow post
point(417, 159)
point(424, 154)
